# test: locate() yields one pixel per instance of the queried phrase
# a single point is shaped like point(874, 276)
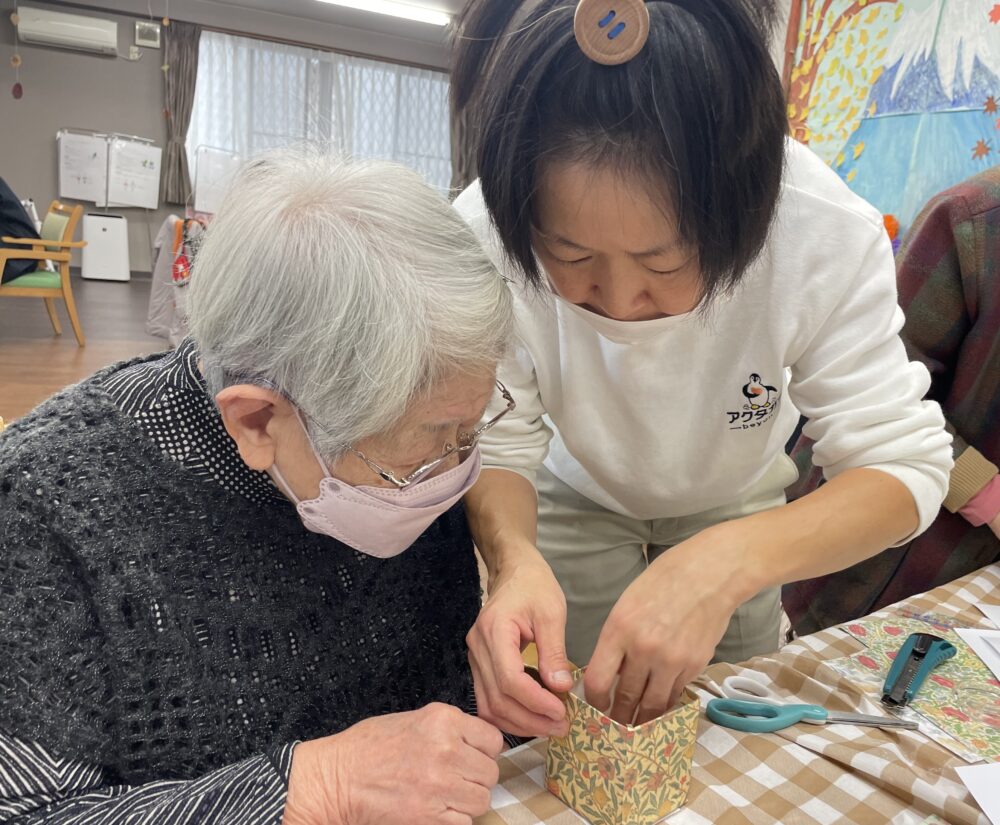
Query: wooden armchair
point(56, 245)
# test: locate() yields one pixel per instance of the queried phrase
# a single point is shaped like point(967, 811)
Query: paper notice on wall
point(134, 173)
point(83, 166)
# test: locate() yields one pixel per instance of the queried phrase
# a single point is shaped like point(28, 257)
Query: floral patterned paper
point(613, 774)
point(961, 696)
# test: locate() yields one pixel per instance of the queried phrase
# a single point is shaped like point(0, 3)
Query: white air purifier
point(105, 257)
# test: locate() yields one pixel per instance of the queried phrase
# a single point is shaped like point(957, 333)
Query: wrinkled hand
point(995, 526)
point(662, 632)
point(433, 766)
point(525, 606)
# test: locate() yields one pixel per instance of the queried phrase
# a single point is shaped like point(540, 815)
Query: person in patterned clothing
point(949, 286)
point(236, 579)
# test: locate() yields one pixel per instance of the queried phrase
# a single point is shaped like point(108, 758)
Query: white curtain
point(254, 95)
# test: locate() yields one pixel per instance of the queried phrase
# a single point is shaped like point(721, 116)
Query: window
point(253, 95)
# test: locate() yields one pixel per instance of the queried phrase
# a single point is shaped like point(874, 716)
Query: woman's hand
point(433, 766)
point(663, 631)
point(995, 526)
point(525, 605)
point(666, 625)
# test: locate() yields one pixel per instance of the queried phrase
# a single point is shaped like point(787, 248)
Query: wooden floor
point(35, 362)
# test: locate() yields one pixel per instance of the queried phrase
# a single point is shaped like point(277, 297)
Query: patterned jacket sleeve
point(938, 274)
point(38, 787)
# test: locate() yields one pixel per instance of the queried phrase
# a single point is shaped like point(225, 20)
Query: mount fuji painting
point(900, 97)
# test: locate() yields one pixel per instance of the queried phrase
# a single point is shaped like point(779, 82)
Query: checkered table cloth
point(803, 774)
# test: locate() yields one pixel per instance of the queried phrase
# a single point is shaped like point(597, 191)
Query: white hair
point(350, 286)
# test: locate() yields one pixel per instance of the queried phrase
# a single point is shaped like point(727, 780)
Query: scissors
point(750, 688)
point(753, 707)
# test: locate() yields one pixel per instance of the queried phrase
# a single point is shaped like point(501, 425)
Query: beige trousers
point(596, 554)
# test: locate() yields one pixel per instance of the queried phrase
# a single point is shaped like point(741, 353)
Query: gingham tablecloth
point(803, 774)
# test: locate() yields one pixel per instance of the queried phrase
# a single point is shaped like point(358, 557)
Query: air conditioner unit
point(67, 31)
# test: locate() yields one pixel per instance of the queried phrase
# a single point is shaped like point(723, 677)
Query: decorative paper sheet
point(961, 697)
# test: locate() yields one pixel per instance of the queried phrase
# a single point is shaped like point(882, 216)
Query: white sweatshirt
point(670, 417)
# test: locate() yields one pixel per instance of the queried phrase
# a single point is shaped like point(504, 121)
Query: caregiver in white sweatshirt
point(687, 282)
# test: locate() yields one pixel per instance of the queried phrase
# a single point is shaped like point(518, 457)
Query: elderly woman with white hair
point(237, 578)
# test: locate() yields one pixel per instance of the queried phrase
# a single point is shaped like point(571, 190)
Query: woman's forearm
point(856, 515)
point(503, 515)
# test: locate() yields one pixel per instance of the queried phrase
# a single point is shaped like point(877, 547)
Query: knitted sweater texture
point(162, 626)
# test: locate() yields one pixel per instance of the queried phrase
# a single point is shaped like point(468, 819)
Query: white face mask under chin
point(381, 521)
point(619, 332)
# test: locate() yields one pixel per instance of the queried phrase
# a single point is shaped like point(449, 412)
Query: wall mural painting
point(900, 97)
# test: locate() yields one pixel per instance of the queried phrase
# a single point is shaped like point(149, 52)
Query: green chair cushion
point(40, 278)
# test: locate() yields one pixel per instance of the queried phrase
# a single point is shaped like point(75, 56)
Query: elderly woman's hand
point(525, 604)
point(433, 766)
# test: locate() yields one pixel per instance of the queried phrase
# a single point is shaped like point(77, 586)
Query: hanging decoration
point(17, 90)
point(165, 67)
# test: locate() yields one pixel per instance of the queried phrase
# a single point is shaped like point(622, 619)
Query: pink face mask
point(381, 521)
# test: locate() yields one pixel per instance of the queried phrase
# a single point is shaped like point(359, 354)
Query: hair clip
point(611, 32)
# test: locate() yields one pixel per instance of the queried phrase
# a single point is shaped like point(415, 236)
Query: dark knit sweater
point(160, 626)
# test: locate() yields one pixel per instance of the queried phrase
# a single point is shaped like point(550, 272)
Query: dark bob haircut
point(699, 113)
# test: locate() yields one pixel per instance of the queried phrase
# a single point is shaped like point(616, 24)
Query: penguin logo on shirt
point(760, 403)
point(759, 396)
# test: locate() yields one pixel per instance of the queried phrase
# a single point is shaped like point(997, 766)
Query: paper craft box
point(614, 774)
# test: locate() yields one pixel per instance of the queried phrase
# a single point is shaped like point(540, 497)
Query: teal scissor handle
point(756, 717)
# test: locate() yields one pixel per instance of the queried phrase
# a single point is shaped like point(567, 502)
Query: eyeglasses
point(466, 442)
